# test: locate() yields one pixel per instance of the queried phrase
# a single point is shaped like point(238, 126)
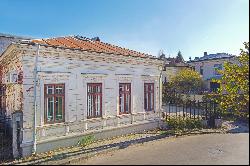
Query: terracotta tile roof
point(79, 42)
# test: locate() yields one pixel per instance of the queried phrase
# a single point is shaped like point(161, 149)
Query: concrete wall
point(72, 140)
point(75, 69)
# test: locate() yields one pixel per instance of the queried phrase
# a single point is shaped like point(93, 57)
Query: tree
point(161, 54)
point(233, 94)
point(179, 57)
point(187, 81)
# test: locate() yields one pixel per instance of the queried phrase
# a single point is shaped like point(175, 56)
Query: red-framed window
point(124, 98)
point(94, 100)
point(54, 97)
point(149, 96)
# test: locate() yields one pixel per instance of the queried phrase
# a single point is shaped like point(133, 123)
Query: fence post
point(176, 110)
point(206, 110)
point(198, 109)
point(183, 110)
point(190, 109)
point(169, 111)
point(194, 108)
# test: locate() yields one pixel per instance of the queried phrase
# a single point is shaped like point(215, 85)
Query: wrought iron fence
point(205, 110)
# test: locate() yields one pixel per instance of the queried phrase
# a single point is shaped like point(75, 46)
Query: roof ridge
point(130, 50)
point(118, 47)
point(82, 42)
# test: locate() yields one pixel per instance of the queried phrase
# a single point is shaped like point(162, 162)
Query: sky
point(191, 26)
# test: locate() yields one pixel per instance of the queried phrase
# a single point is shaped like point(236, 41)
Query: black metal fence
point(205, 110)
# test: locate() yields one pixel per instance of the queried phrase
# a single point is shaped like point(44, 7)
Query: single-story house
point(58, 90)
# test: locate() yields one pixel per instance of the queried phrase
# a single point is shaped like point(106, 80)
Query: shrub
point(175, 123)
point(86, 140)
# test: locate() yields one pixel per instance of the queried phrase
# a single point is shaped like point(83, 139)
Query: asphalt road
point(209, 149)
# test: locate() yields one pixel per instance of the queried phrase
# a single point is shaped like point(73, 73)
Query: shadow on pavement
point(120, 145)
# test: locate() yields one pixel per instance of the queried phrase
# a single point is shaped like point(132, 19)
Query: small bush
point(175, 123)
point(86, 140)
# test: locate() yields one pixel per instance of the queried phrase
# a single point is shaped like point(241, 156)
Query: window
point(217, 67)
point(124, 98)
point(214, 86)
point(94, 100)
point(54, 102)
point(201, 70)
point(149, 96)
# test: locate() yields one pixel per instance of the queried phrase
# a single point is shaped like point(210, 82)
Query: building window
point(149, 96)
point(94, 100)
point(217, 68)
point(201, 70)
point(214, 86)
point(54, 103)
point(124, 98)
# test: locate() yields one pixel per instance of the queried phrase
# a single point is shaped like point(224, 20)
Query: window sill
point(53, 124)
point(93, 119)
point(124, 114)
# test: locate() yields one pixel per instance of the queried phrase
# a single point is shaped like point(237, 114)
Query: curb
point(87, 156)
point(81, 157)
point(84, 156)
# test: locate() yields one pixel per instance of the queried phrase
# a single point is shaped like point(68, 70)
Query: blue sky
point(191, 26)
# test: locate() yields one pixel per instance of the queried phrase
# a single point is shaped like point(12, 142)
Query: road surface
point(197, 149)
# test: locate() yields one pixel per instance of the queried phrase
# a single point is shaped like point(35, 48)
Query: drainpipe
point(35, 102)
point(160, 91)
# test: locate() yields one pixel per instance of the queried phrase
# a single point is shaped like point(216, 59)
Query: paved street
point(197, 149)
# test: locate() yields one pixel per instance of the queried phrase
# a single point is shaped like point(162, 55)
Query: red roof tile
point(78, 42)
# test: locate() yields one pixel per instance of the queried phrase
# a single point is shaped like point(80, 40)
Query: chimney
point(96, 39)
point(205, 53)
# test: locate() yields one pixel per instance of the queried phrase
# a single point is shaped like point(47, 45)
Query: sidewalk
point(78, 153)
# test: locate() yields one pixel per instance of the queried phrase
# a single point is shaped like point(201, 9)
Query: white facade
point(75, 69)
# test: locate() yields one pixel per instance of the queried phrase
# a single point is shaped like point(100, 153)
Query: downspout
point(160, 93)
point(160, 87)
point(35, 102)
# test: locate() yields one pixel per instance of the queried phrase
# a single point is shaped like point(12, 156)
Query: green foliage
point(187, 81)
point(86, 140)
point(233, 94)
point(176, 123)
point(170, 96)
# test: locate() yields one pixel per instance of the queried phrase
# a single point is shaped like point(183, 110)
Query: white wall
point(208, 66)
point(75, 73)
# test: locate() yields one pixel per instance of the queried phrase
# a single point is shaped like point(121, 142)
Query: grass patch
point(86, 140)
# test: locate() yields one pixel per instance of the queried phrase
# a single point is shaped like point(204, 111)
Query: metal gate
point(206, 110)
